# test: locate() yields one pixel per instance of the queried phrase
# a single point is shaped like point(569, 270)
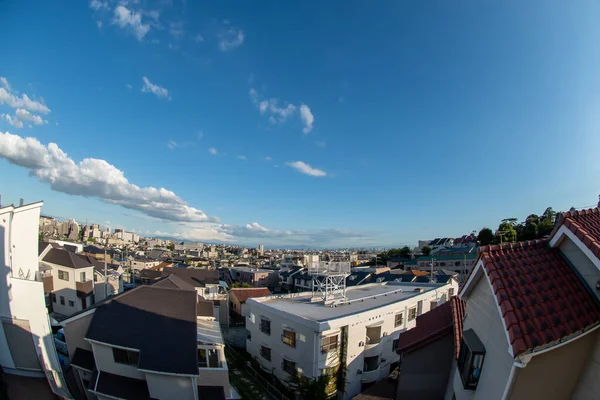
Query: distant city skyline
point(322, 125)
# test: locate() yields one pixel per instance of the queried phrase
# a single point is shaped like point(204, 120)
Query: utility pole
point(105, 275)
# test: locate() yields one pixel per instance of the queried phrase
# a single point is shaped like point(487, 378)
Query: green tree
point(171, 247)
point(406, 252)
point(506, 233)
point(309, 388)
point(485, 236)
point(241, 285)
point(426, 250)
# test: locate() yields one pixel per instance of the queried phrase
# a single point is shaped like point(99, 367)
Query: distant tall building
point(261, 249)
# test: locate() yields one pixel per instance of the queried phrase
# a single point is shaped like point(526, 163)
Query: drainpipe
point(511, 378)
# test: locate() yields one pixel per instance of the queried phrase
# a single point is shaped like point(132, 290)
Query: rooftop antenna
point(328, 280)
point(21, 202)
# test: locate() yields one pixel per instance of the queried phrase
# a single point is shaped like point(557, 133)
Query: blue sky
point(323, 124)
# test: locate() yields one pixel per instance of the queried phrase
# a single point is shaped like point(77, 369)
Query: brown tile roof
point(430, 326)
point(585, 224)
point(66, 258)
point(173, 282)
point(243, 294)
point(542, 300)
point(458, 316)
point(84, 289)
point(162, 265)
point(415, 272)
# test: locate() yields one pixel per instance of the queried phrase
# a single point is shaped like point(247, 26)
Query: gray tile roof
point(66, 258)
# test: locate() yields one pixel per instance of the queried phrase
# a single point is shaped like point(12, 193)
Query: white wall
point(589, 272)
point(166, 387)
point(588, 387)
point(106, 362)
point(483, 317)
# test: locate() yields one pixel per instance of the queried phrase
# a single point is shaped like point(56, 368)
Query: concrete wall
point(585, 267)
point(215, 377)
point(106, 362)
point(75, 334)
point(588, 386)
point(483, 317)
point(425, 371)
point(554, 375)
point(166, 387)
point(68, 288)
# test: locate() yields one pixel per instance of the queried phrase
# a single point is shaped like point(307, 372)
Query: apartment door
point(20, 343)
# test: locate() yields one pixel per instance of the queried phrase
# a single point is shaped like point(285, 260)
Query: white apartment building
point(297, 333)
point(26, 343)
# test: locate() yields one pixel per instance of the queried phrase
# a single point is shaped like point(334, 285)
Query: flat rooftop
point(358, 299)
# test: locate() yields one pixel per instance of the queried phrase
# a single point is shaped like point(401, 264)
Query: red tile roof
point(585, 224)
point(243, 294)
point(458, 316)
point(541, 298)
point(430, 326)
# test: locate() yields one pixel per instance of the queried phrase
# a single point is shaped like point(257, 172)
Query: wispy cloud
point(230, 39)
point(198, 38)
point(130, 21)
point(157, 90)
point(129, 86)
point(241, 157)
point(307, 118)
point(281, 113)
point(320, 143)
point(306, 169)
point(98, 5)
point(94, 178)
point(213, 151)
point(25, 107)
point(176, 29)
point(200, 134)
point(172, 144)
point(268, 158)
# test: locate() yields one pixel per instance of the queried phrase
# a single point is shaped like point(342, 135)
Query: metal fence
point(258, 378)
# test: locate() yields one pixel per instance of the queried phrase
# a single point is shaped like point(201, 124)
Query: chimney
point(21, 202)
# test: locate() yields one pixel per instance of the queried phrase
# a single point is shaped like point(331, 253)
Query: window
point(371, 363)
point(53, 298)
point(63, 275)
point(71, 303)
point(432, 305)
point(125, 356)
point(289, 367)
point(265, 326)
point(95, 278)
point(395, 344)
point(450, 292)
point(289, 338)
point(457, 263)
point(208, 358)
point(470, 359)
point(265, 353)
point(412, 313)
point(329, 343)
point(398, 319)
point(82, 276)
point(62, 300)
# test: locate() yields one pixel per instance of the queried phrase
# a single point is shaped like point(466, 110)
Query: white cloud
point(97, 5)
point(307, 118)
point(213, 151)
point(241, 157)
point(94, 178)
point(131, 21)
point(279, 114)
point(5, 84)
point(306, 169)
point(176, 29)
point(129, 86)
point(230, 39)
point(25, 115)
point(14, 121)
point(320, 143)
point(172, 144)
point(99, 24)
point(267, 158)
point(198, 38)
point(157, 90)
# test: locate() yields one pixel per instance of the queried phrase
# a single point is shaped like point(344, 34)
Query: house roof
point(173, 282)
point(194, 276)
point(205, 308)
point(585, 224)
point(66, 258)
point(541, 299)
point(83, 359)
point(243, 294)
point(458, 316)
point(161, 314)
point(150, 274)
point(121, 387)
point(431, 326)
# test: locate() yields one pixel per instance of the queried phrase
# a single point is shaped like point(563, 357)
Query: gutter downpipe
point(511, 378)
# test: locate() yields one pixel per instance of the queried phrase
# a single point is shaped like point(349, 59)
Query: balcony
point(85, 288)
point(369, 376)
point(48, 283)
point(373, 349)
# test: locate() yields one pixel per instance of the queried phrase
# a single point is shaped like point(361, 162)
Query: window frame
point(330, 345)
point(263, 326)
point(82, 276)
point(125, 357)
point(396, 323)
point(410, 311)
point(53, 295)
point(289, 340)
point(62, 274)
point(450, 292)
point(471, 357)
point(291, 365)
point(265, 352)
point(62, 300)
point(71, 303)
